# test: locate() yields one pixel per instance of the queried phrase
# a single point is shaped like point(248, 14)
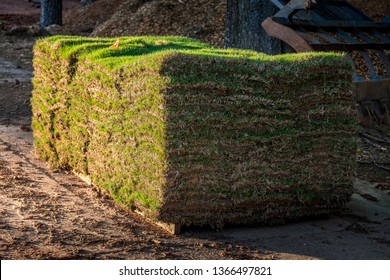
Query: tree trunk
point(243, 26)
point(51, 12)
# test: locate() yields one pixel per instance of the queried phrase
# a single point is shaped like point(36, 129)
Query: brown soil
point(54, 215)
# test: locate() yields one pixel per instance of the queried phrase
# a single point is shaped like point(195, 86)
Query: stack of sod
point(191, 134)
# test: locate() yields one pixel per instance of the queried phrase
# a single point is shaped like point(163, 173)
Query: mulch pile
point(199, 19)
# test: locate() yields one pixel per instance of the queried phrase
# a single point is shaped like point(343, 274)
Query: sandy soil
point(54, 215)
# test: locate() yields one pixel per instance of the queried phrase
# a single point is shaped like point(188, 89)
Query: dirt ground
point(54, 215)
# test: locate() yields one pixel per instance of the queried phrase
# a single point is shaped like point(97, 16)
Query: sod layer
point(195, 135)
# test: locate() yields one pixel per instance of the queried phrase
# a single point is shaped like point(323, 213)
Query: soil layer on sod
point(195, 135)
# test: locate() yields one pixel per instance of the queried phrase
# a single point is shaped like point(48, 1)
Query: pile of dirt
point(199, 19)
point(82, 20)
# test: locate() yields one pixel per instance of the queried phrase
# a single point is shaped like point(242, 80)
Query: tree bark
point(51, 12)
point(243, 26)
point(87, 2)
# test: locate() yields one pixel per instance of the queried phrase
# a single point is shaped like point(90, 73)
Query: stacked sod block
point(190, 134)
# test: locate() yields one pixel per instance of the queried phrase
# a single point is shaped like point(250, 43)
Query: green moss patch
point(192, 134)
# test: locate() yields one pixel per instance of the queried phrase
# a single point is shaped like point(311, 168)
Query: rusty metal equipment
point(330, 25)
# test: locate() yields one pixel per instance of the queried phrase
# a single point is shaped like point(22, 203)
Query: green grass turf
point(193, 134)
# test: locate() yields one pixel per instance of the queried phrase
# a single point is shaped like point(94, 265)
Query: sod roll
point(195, 135)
